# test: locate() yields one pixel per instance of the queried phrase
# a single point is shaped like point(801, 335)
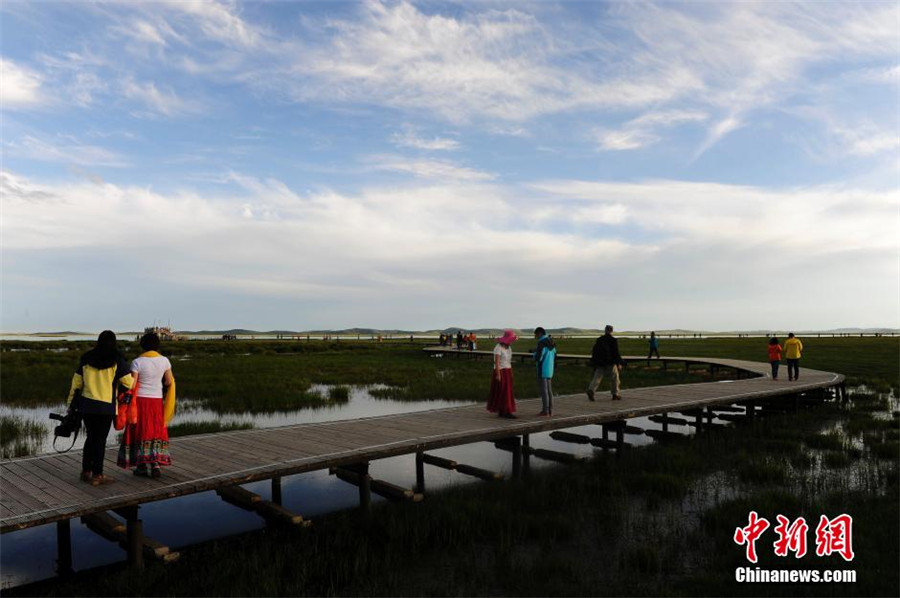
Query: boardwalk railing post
point(276, 490)
point(665, 421)
point(420, 472)
point(63, 548)
point(134, 538)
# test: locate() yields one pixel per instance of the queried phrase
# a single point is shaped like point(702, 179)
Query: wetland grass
point(19, 436)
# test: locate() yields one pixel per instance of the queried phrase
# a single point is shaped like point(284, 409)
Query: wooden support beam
point(606, 443)
point(380, 487)
point(438, 461)
point(663, 435)
point(106, 526)
point(731, 417)
point(727, 409)
point(570, 437)
point(134, 543)
point(239, 497)
point(484, 474)
point(666, 420)
point(271, 511)
point(526, 456)
point(558, 456)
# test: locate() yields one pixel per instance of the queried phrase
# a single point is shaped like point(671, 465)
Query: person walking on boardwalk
point(792, 350)
point(459, 340)
point(545, 358)
point(654, 345)
point(774, 356)
point(100, 373)
point(607, 361)
point(502, 400)
point(145, 444)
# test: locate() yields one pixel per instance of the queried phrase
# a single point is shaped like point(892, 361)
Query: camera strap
point(55, 438)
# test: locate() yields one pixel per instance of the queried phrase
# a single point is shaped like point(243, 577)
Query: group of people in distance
point(606, 361)
point(468, 340)
point(139, 397)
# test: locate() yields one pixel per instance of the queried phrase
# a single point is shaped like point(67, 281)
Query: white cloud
point(160, 101)
point(428, 169)
point(410, 138)
point(20, 87)
point(65, 150)
point(642, 131)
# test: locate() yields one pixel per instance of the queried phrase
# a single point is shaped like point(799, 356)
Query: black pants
point(775, 365)
point(96, 430)
point(793, 368)
point(652, 351)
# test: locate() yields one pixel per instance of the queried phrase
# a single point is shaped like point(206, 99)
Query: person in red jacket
point(774, 356)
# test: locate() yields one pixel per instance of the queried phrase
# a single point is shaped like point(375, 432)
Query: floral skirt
point(147, 441)
point(501, 399)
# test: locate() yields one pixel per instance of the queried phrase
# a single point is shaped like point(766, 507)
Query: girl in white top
point(502, 399)
point(145, 444)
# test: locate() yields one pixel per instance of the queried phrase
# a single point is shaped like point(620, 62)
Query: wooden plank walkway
point(45, 488)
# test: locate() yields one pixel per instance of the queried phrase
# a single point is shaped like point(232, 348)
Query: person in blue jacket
point(545, 358)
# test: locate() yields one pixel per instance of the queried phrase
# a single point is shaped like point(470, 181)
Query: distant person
point(607, 361)
point(473, 342)
point(654, 345)
point(145, 444)
point(774, 356)
point(459, 340)
point(502, 400)
point(545, 359)
point(100, 373)
point(792, 350)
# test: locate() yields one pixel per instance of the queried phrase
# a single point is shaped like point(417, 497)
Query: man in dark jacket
point(607, 361)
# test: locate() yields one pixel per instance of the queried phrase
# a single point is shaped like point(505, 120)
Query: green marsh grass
point(19, 436)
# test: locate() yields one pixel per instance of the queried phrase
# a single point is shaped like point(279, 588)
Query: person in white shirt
point(145, 443)
point(502, 399)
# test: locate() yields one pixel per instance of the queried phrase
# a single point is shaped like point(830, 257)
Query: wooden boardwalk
point(45, 489)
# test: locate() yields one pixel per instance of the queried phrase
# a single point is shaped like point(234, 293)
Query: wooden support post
point(665, 421)
point(134, 543)
point(420, 472)
point(620, 439)
point(526, 455)
point(687, 366)
point(709, 416)
point(276, 490)
point(64, 548)
point(751, 409)
point(517, 458)
point(365, 487)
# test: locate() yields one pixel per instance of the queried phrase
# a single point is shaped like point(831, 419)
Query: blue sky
point(303, 165)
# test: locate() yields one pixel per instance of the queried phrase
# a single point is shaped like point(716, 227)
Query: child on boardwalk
point(774, 356)
point(502, 400)
point(545, 358)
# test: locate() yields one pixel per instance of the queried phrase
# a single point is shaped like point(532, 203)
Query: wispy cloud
point(65, 151)
point(643, 130)
point(410, 138)
point(428, 169)
point(160, 101)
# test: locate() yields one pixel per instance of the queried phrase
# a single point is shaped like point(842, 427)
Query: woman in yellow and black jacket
point(99, 374)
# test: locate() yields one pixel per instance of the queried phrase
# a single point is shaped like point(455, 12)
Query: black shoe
point(142, 472)
point(590, 394)
point(508, 416)
point(155, 472)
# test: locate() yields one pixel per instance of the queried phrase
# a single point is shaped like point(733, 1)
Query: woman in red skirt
point(502, 401)
point(145, 443)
